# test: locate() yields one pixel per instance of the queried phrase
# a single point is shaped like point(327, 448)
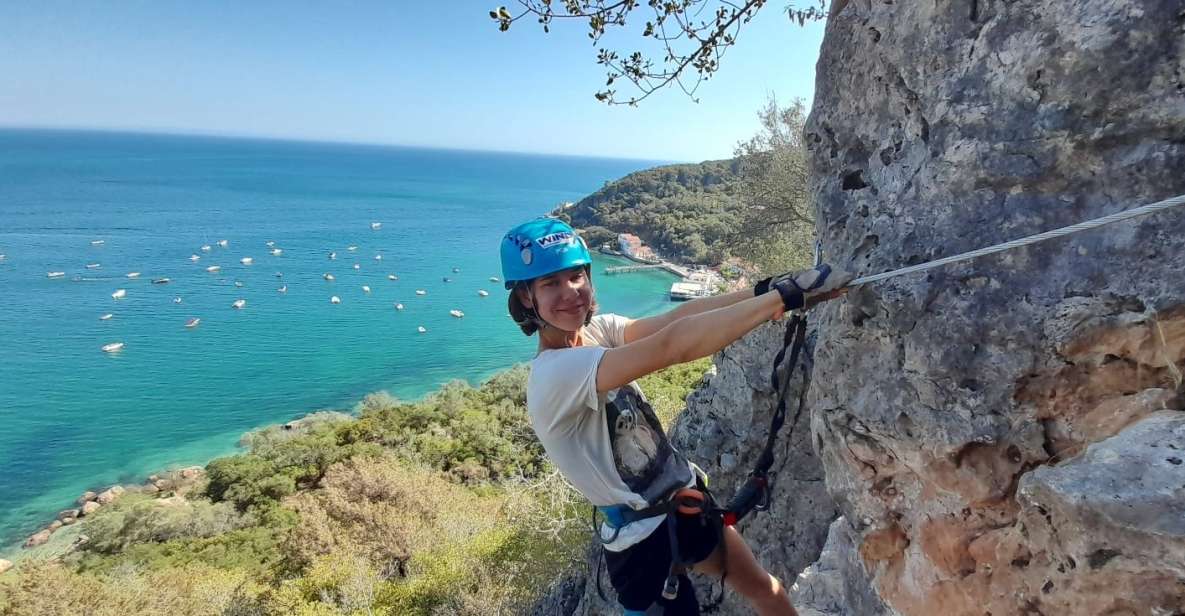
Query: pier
point(682, 272)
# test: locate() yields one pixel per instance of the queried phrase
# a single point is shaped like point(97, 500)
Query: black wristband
point(792, 299)
point(762, 286)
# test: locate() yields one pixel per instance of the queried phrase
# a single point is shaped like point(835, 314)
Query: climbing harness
point(697, 501)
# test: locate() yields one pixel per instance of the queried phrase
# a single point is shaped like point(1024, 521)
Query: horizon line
point(313, 141)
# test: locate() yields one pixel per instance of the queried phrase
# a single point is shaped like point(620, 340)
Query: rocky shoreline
point(165, 484)
point(161, 485)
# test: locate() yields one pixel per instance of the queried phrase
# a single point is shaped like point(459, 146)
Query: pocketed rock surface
point(998, 432)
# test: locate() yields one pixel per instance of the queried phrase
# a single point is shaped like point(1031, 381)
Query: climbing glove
point(796, 287)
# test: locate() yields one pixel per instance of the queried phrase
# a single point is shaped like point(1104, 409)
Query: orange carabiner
point(689, 501)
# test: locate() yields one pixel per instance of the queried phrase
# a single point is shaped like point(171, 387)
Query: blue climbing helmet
point(540, 247)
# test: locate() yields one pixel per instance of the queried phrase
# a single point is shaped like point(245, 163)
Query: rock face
point(938, 128)
point(836, 584)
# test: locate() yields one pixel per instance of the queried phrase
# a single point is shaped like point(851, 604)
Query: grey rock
point(836, 584)
point(938, 128)
point(38, 538)
point(5, 565)
point(562, 598)
point(1118, 511)
point(108, 496)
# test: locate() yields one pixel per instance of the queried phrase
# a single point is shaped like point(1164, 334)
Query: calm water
point(73, 417)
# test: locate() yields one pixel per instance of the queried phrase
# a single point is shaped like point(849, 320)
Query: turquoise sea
point(73, 417)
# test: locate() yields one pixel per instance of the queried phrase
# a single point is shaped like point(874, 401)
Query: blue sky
point(435, 73)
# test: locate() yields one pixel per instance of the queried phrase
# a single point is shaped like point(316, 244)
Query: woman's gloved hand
point(797, 288)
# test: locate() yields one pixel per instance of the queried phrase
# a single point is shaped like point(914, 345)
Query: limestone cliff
point(1005, 435)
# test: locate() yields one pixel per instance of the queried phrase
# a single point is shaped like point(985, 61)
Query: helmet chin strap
point(538, 320)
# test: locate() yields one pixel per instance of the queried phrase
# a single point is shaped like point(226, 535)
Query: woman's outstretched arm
point(640, 328)
point(686, 338)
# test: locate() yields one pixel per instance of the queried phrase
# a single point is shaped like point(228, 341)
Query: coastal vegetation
point(754, 206)
point(443, 505)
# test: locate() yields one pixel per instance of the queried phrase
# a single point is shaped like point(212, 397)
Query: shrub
point(48, 588)
point(667, 389)
point(473, 434)
point(139, 519)
point(383, 511)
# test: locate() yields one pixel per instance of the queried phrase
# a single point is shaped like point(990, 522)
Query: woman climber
point(601, 433)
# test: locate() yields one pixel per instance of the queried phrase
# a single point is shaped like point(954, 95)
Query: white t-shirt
point(612, 448)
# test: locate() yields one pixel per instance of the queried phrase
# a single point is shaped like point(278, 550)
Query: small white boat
point(97, 242)
point(205, 248)
point(106, 317)
point(283, 289)
point(54, 274)
point(119, 294)
point(328, 277)
point(447, 279)
point(238, 284)
point(113, 347)
point(279, 274)
point(456, 270)
point(270, 243)
point(378, 257)
point(398, 306)
point(133, 274)
point(332, 256)
point(421, 292)
point(365, 289)
point(223, 243)
point(351, 248)
point(376, 225)
point(422, 329)
point(177, 300)
point(161, 281)
point(93, 266)
point(239, 304)
point(456, 313)
point(192, 323)
point(246, 260)
point(2, 257)
point(494, 279)
point(357, 267)
point(392, 277)
point(214, 268)
point(194, 258)
point(277, 252)
point(483, 292)
point(335, 300)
